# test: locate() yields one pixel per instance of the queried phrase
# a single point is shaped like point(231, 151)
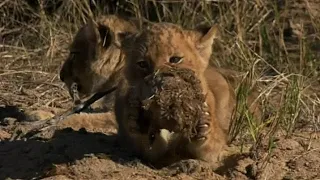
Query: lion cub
point(161, 45)
point(95, 61)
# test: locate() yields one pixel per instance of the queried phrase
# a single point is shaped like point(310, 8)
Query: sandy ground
point(89, 150)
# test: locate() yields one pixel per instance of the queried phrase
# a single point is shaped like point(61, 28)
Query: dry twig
point(30, 129)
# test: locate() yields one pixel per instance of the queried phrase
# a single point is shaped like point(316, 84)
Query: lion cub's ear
point(126, 40)
point(204, 38)
point(105, 35)
point(85, 37)
point(96, 33)
point(90, 37)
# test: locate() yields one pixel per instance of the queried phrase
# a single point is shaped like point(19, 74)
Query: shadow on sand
point(35, 158)
point(32, 158)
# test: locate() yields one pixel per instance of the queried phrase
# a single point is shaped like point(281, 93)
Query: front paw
point(203, 126)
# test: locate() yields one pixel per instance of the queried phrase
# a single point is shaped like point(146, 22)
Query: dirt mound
point(177, 102)
point(290, 158)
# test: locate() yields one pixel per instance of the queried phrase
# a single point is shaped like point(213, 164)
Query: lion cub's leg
point(129, 131)
point(210, 138)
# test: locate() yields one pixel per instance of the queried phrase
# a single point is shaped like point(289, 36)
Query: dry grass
point(275, 43)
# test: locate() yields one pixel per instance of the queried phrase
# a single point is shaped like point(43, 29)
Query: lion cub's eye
point(175, 59)
point(142, 64)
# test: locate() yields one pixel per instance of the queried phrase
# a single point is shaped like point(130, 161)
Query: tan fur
point(103, 121)
point(253, 101)
point(154, 46)
point(91, 122)
point(95, 61)
point(37, 115)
